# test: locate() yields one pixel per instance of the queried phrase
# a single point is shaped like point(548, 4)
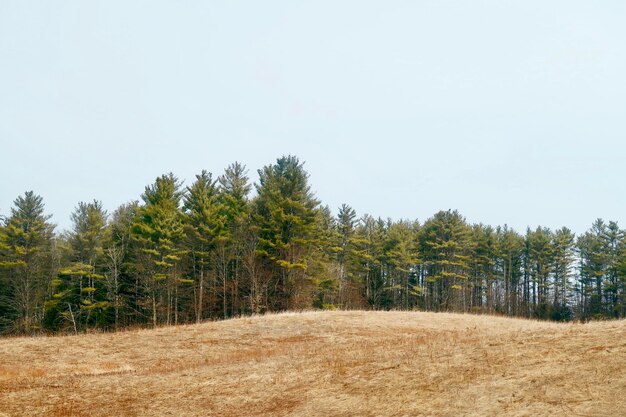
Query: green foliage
point(446, 247)
point(80, 293)
point(203, 221)
point(206, 251)
point(286, 219)
point(602, 288)
point(157, 232)
point(26, 261)
point(204, 225)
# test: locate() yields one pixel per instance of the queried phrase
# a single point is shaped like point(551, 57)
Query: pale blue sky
point(510, 111)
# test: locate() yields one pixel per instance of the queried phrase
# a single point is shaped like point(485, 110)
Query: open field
point(321, 364)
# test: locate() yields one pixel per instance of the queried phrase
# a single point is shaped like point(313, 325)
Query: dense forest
point(214, 249)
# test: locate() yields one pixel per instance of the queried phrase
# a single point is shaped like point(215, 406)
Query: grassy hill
point(324, 364)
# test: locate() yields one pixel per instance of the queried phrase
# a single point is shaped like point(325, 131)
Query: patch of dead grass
point(323, 363)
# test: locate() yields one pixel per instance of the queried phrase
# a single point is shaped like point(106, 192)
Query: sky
point(512, 112)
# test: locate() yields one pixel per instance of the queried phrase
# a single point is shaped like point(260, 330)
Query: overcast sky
point(509, 111)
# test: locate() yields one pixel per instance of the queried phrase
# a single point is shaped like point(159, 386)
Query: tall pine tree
point(204, 228)
point(158, 231)
point(285, 216)
point(446, 245)
point(79, 294)
point(28, 265)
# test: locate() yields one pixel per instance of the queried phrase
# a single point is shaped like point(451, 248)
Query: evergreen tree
point(5, 298)
point(120, 265)
point(285, 215)
point(540, 264)
point(27, 239)
point(158, 231)
point(347, 258)
point(401, 257)
point(510, 250)
point(233, 191)
point(485, 292)
point(346, 223)
point(79, 295)
point(620, 271)
point(369, 241)
point(594, 264)
point(204, 228)
point(564, 257)
point(322, 271)
point(446, 248)
point(613, 238)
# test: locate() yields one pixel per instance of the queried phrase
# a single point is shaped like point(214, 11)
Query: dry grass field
point(324, 364)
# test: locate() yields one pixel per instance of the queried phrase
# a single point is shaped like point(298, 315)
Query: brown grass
point(324, 364)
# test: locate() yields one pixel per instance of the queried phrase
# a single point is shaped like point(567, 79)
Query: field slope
point(324, 364)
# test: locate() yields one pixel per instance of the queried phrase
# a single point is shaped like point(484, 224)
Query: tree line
point(210, 250)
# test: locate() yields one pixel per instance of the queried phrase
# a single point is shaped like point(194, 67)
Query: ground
point(323, 364)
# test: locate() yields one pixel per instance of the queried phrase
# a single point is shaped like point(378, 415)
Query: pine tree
point(5, 317)
point(79, 294)
point(613, 238)
point(620, 270)
point(484, 290)
point(27, 240)
point(540, 255)
point(120, 264)
point(369, 241)
point(510, 250)
point(446, 246)
point(346, 223)
point(401, 257)
point(285, 217)
point(234, 207)
point(563, 260)
point(594, 264)
point(204, 228)
point(322, 270)
point(158, 231)
point(347, 257)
